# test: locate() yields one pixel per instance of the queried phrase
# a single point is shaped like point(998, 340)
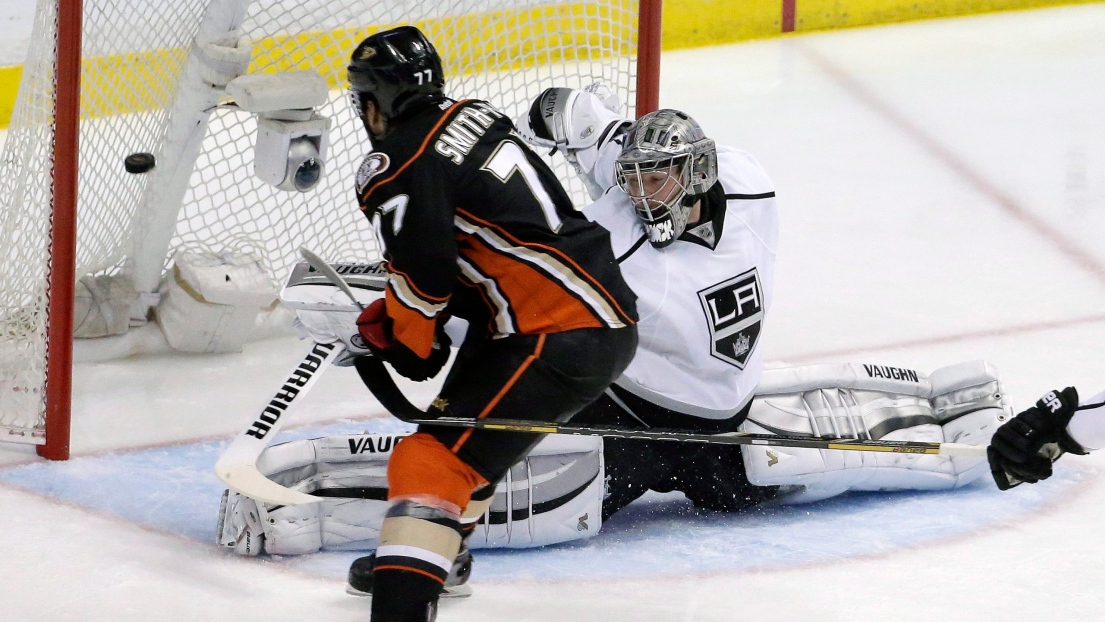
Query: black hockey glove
point(1023, 449)
point(374, 328)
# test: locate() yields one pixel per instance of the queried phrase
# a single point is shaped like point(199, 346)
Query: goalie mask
point(398, 69)
point(666, 165)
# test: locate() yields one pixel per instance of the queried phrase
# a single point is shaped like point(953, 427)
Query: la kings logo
point(735, 312)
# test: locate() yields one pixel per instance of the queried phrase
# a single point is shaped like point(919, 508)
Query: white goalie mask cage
point(671, 142)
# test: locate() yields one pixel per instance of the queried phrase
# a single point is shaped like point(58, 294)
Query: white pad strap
point(962, 403)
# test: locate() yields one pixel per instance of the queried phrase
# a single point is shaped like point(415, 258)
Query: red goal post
point(107, 78)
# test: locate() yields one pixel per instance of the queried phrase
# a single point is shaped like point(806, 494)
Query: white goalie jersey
point(701, 309)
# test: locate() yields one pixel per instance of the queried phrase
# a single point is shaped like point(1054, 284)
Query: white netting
point(134, 54)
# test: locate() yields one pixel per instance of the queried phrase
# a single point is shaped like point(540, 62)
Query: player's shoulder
point(466, 125)
point(750, 197)
point(614, 213)
point(610, 209)
point(741, 174)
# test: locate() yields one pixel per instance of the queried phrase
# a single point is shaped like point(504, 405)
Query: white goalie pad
point(324, 313)
point(962, 403)
point(334, 465)
point(307, 289)
point(210, 302)
point(553, 495)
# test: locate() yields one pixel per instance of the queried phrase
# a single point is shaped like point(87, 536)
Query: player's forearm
point(1087, 427)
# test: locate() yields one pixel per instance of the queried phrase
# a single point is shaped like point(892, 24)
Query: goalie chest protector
point(701, 310)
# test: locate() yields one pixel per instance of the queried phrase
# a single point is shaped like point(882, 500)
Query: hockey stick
point(721, 438)
point(379, 381)
point(237, 466)
point(330, 273)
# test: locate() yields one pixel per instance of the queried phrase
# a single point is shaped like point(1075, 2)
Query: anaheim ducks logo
point(373, 164)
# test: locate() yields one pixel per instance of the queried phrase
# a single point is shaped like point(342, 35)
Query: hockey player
point(704, 280)
point(474, 225)
point(705, 283)
point(1024, 448)
point(694, 228)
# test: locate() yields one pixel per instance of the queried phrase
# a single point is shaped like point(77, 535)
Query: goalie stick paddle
point(237, 466)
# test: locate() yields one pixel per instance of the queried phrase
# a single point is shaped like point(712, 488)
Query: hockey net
point(134, 59)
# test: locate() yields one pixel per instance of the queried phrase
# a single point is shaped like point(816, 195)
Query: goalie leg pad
point(962, 403)
point(350, 471)
point(553, 495)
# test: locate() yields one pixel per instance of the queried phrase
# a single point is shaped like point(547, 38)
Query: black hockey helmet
point(398, 69)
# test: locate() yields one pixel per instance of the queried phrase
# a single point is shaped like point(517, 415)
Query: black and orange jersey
point(475, 224)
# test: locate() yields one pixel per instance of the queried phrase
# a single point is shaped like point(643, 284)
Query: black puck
point(139, 163)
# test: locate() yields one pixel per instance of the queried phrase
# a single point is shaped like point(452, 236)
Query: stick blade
point(246, 479)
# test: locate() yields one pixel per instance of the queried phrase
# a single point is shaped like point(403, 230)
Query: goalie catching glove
point(1023, 449)
point(577, 123)
point(374, 326)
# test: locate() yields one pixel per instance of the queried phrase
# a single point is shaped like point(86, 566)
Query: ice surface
point(942, 193)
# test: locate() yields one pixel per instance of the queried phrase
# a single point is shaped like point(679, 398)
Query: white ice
point(942, 191)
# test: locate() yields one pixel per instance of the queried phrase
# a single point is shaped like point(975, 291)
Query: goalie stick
point(237, 466)
point(330, 273)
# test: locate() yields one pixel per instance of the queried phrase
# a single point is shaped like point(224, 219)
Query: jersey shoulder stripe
point(432, 134)
point(750, 197)
point(551, 261)
point(503, 321)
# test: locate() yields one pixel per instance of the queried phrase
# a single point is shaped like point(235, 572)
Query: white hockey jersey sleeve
point(1087, 427)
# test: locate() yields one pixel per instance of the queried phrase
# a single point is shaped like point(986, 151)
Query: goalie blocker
point(556, 493)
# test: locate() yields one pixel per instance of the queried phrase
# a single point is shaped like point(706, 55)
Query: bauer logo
point(372, 165)
point(734, 312)
point(1052, 402)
